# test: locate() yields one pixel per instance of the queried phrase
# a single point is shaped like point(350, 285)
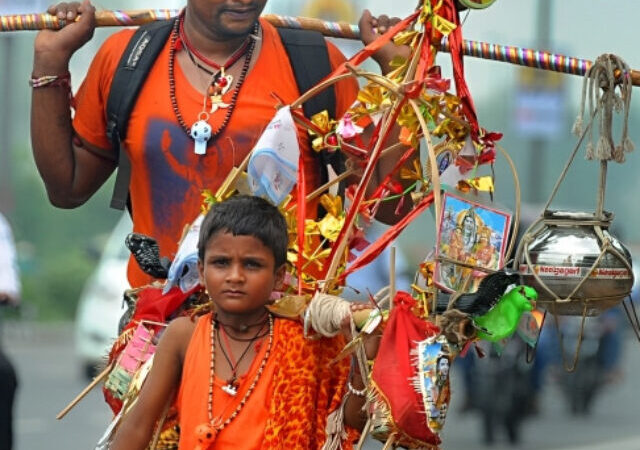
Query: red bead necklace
point(195, 52)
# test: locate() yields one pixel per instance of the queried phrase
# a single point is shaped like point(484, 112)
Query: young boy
point(241, 378)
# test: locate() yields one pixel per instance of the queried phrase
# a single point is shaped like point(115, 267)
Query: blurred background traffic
point(72, 263)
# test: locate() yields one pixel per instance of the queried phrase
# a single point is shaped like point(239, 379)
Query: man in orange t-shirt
point(74, 157)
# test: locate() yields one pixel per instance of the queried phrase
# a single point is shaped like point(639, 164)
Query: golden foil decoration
point(374, 97)
point(330, 227)
point(414, 173)
point(324, 125)
point(406, 37)
point(484, 184)
point(332, 204)
point(426, 270)
point(290, 306)
point(442, 25)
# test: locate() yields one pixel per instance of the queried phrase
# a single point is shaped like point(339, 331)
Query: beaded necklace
point(209, 62)
point(201, 131)
point(231, 387)
point(206, 433)
point(220, 82)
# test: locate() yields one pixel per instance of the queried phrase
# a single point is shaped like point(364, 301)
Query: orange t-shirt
point(249, 425)
point(167, 177)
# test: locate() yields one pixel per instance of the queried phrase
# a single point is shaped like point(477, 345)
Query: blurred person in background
point(9, 296)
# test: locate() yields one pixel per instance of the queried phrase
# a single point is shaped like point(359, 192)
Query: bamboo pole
point(135, 17)
point(505, 53)
point(101, 376)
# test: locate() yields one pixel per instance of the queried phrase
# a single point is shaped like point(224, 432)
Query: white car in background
point(100, 306)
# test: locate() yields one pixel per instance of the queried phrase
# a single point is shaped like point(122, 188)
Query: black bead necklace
point(204, 115)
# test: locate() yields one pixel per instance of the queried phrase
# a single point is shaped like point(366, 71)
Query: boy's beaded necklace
point(220, 83)
point(206, 433)
point(231, 387)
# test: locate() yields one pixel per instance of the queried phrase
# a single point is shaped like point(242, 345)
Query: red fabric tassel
point(449, 12)
point(155, 306)
point(393, 369)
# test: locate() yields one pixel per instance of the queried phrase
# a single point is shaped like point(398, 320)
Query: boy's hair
point(245, 215)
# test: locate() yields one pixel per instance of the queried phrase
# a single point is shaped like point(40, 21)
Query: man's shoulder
point(179, 333)
point(118, 41)
point(112, 49)
point(270, 32)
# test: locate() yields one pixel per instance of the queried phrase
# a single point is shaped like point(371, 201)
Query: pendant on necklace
point(230, 388)
point(218, 87)
point(217, 103)
point(206, 433)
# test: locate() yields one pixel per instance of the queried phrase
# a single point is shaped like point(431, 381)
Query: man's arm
point(372, 28)
point(354, 415)
point(70, 170)
point(160, 387)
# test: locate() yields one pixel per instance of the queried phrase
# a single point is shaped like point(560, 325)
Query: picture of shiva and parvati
point(473, 234)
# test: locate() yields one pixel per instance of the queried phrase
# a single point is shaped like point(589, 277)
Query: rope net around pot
point(571, 258)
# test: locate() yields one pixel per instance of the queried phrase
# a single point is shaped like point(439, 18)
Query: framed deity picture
point(471, 233)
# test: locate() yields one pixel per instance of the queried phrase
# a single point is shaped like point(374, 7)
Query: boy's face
point(239, 273)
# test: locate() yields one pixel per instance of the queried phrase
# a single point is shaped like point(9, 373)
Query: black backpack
point(309, 58)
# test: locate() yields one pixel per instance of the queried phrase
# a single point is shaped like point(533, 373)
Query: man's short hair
point(245, 215)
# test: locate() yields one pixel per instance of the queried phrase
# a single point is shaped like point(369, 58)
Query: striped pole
point(523, 57)
point(114, 18)
point(514, 55)
point(119, 18)
point(529, 58)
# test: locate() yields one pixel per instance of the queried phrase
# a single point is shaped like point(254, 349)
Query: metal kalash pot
point(574, 263)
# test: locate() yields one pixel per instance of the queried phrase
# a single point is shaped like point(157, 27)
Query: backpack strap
point(133, 68)
point(307, 51)
point(310, 62)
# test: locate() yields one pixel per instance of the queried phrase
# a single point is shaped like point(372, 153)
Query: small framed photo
point(471, 233)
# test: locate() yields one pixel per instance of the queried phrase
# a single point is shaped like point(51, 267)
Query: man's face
point(226, 18)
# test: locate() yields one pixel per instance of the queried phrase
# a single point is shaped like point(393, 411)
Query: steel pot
point(562, 249)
